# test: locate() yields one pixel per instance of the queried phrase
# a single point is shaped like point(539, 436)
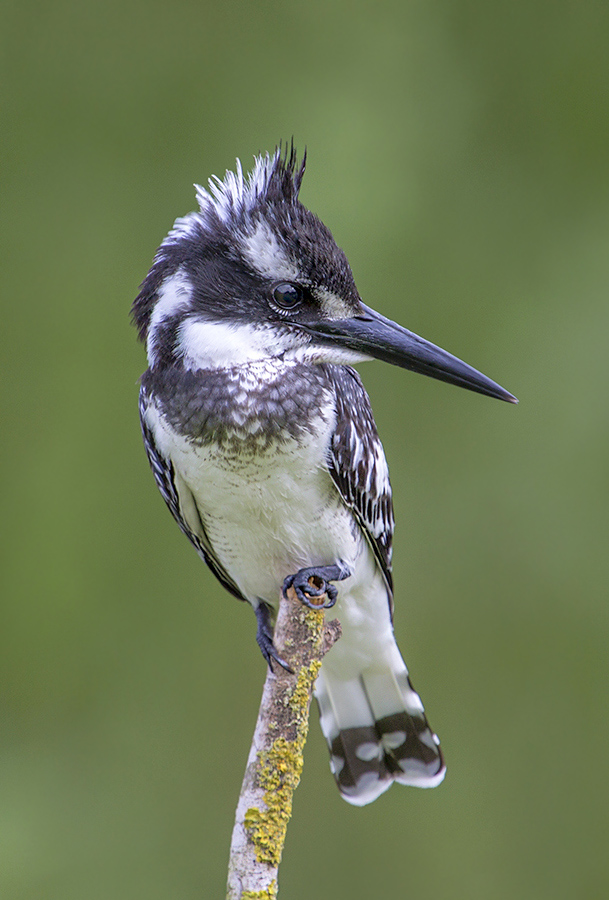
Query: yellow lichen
point(280, 767)
point(314, 620)
point(269, 894)
point(299, 698)
point(279, 775)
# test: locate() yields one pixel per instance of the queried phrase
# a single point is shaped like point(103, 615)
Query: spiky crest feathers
point(274, 178)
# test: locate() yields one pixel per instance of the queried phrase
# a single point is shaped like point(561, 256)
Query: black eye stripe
point(287, 295)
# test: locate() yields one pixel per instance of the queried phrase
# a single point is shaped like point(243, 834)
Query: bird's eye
point(287, 296)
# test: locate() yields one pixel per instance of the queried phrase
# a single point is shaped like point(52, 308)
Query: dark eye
point(287, 296)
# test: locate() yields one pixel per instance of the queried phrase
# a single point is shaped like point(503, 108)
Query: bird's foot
point(313, 583)
point(264, 638)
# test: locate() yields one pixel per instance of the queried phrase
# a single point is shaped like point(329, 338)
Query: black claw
point(264, 638)
point(315, 582)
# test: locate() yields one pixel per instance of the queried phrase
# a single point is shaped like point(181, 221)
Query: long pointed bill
point(374, 335)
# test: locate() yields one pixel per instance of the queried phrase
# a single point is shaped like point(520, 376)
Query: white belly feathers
point(267, 514)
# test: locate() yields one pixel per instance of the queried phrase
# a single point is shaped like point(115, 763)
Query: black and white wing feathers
point(164, 475)
point(357, 465)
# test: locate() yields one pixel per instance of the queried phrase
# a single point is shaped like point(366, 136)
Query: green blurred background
point(458, 150)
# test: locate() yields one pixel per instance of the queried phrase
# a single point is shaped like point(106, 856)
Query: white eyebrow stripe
point(264, 253)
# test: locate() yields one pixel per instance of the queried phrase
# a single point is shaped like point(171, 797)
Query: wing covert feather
point(358, 467)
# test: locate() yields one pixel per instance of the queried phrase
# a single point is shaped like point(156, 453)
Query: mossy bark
point(275, 761)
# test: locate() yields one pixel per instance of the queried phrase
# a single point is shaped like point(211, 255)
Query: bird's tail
point(376, 729)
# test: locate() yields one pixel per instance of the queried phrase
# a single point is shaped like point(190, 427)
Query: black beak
point(373, 335)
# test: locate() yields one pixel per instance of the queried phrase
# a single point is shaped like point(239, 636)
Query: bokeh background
point(458, 150)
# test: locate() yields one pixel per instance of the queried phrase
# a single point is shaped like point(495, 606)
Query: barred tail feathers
point(377, 732)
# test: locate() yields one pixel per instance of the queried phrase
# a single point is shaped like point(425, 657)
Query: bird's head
point(254, 275)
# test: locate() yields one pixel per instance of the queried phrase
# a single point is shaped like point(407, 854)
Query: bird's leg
point(264, 637)
point(315, 582)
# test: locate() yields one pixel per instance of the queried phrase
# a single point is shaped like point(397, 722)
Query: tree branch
point(275, 760)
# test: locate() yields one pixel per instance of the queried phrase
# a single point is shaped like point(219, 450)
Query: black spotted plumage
point(352, 457)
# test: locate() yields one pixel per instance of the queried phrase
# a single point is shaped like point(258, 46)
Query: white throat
point(222, 345)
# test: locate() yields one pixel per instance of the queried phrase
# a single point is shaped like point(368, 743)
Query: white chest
point(266, 514)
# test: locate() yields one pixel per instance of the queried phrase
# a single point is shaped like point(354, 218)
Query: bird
point(263, 444)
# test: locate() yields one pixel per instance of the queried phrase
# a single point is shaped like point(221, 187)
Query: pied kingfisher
point(263, 444)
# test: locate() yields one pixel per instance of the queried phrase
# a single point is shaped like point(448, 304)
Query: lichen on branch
point(275, 761)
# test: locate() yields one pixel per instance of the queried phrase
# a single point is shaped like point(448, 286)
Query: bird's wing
point(182, 504)
point(358, 467)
